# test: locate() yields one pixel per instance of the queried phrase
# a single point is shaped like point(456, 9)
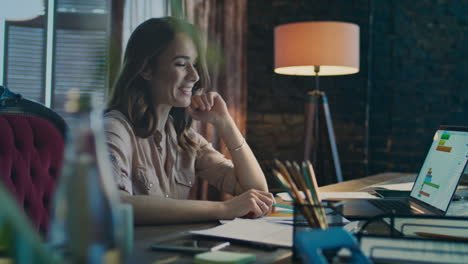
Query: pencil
point(313, 222)
point(220, 246)
point(314, 189)
point(303, 186)
point(285, 178)
point(441, 236)
point(316, 205)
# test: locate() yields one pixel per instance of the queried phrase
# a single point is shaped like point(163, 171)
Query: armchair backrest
point(31, 153)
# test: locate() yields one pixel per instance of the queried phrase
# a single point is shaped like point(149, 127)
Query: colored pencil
point(287, 181)
point(314, 189)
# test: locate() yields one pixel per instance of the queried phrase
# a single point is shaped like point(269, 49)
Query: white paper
point(352, 227)
point(407, 186)
point(252, 230)
point(286, 197)
point(282, 210)
point(278, 218)
point(346, 195)
point(333, 195)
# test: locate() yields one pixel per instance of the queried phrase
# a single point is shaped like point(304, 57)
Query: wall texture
point(414, 58)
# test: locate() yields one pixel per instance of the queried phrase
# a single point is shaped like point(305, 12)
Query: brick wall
point(412, 78)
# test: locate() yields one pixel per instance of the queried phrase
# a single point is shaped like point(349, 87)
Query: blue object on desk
point(310, 245)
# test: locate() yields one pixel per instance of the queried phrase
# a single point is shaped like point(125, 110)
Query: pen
point(166, 261)
point(441, 236)
point(220, 246)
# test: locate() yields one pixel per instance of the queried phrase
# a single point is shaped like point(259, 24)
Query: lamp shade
point(334, 46)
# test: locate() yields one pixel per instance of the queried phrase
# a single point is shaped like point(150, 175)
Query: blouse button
point(167, 195)
point(190, 182)
point(151, 185)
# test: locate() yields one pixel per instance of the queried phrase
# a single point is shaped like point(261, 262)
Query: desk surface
point(145, 236)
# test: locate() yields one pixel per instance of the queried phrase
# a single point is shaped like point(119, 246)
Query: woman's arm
point(211, 108)
point(246, 166)
point(150, 209)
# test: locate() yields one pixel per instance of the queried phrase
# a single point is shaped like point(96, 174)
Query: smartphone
point(187, 246)
point(187, 249)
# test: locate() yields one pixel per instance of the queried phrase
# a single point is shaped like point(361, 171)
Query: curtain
point(126, 15)
point(224, 24)
point(137, 11)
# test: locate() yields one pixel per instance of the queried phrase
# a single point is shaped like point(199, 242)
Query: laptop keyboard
point(387, 206)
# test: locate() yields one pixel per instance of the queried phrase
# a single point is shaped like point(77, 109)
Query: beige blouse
point(139, 168)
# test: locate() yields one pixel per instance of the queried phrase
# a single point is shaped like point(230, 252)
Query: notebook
point(434, 186)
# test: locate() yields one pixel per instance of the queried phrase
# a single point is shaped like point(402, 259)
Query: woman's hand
point(209, 107)
point(251, 204)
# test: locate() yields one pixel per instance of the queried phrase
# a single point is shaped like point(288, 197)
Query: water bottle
point(85, 226)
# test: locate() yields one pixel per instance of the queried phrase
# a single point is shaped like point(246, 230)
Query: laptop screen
point(443, 167)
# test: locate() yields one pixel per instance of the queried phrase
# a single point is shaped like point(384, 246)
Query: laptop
point(434, 186)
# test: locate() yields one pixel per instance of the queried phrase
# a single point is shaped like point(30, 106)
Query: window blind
point(81, 47)
point(80, 63)
point(24, 71)
point(80, 52)
point(82, 6)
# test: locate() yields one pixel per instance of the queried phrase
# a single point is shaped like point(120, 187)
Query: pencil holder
point(305, 219)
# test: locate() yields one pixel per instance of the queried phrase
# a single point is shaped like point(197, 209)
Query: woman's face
point(174, 76)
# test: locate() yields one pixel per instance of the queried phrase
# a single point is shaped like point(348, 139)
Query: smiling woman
point(155, 153)
point(174, 75)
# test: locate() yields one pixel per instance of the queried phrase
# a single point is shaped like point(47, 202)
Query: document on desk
point(252, 230)
point(334, 195)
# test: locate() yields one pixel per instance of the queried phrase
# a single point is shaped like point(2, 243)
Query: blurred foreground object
point(19, 242)
point(87, 224)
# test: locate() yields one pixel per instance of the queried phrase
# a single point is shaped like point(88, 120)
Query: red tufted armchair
point(31, 153)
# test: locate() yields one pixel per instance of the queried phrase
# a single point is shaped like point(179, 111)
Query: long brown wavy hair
point(131, 94)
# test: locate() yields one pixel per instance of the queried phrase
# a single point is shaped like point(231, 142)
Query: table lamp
point(314, 49)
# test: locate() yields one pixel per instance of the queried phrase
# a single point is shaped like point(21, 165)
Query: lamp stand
point(317, 105)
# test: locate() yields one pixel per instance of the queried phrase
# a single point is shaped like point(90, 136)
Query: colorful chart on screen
point(442, 168)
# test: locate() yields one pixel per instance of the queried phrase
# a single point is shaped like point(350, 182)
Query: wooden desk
point(363, 183)
point(145, 236)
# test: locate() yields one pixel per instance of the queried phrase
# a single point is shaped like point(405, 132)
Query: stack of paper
point(252, 230)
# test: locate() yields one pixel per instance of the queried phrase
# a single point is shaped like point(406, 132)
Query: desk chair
point(31, 153)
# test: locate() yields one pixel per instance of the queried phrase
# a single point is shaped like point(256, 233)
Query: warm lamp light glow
point(334, 46)
point(21, 9)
